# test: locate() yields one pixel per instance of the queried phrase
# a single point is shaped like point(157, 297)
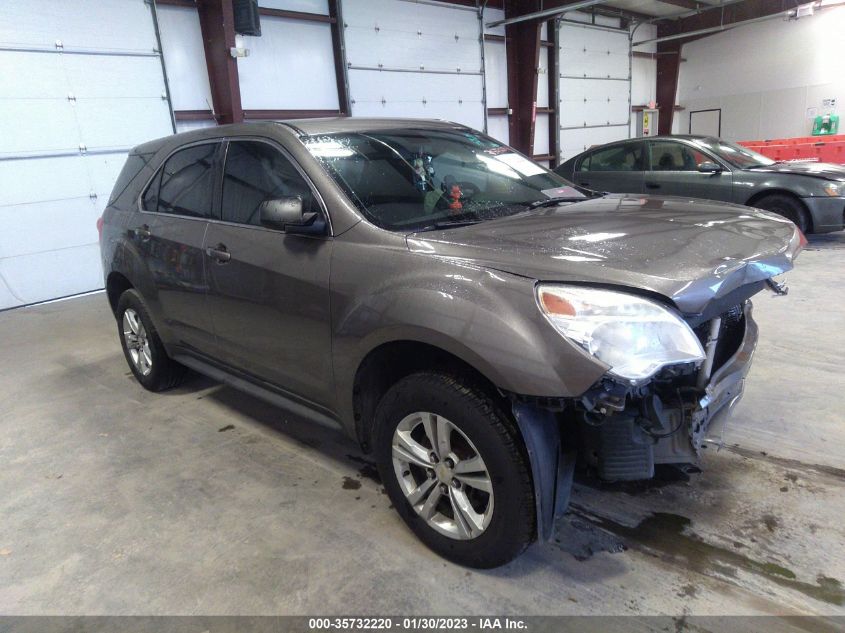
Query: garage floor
point(206, 501)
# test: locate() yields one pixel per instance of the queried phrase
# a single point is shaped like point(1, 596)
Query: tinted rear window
point(187, 182)
point(616, 158)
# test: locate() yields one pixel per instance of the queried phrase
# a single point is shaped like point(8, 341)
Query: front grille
point(731, 333)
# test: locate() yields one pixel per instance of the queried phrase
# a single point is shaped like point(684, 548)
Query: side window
point(583, 164)
point(187, 182)
point(149, 202)
point(256, 172)
point(617, 158)
point(675, 157)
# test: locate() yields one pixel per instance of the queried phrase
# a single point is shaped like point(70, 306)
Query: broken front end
point(671, 383)
point(624, 430)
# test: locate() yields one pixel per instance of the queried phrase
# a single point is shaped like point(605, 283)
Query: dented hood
point(691, 251)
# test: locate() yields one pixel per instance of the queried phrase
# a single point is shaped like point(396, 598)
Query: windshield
point(736, 155)
point(408, 180)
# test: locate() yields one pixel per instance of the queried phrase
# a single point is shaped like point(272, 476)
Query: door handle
point(652, 185)
point(219, 253)
point(584, 184)
point(143, 232)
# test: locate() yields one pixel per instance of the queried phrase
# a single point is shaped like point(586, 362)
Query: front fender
point(488, 319)
point(750, 188)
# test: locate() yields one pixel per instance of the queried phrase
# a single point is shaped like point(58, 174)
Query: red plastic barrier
point(825, 149)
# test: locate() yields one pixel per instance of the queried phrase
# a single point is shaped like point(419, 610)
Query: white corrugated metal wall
point(75, 97)
point(595, 86)
point(70, 111)
point(408, 59)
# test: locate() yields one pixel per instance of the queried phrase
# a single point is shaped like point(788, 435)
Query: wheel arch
point(390, 361)
point(116, 284)
point(538, 430)
point(760, 195)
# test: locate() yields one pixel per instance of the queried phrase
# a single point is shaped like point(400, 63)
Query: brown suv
point(472, 319)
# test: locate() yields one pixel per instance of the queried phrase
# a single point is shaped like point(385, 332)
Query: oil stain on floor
point(670, 536)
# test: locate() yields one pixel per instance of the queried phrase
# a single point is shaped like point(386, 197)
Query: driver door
point(269, 291)
point(674, 172)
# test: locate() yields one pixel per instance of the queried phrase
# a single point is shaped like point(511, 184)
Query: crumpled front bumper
point(727, 384)
point(624, 451)
point(713, 409)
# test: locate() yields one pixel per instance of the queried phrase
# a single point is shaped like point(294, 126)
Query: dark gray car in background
point(473, 320)
point(810, 194)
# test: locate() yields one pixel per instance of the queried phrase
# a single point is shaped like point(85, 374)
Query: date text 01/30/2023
point(416, 624)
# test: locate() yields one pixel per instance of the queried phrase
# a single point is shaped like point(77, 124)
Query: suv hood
point(691, 251)
point(827, 171)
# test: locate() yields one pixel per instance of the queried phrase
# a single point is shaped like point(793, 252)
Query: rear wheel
point(453, 467)
point(143, 348)
point(787, 206)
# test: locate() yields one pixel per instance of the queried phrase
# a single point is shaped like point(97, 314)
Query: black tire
point(165, 373)
point(512, 525)
point(789, 207)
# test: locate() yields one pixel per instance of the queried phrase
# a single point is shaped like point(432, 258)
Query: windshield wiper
point(449, 224)
point(555, 201)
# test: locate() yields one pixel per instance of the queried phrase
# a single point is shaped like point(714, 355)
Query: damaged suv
point(475, 321)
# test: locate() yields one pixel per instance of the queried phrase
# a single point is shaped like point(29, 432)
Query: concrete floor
point(114, 500)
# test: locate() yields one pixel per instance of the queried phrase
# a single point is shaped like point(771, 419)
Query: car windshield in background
point(410, 180)
point(736, 155)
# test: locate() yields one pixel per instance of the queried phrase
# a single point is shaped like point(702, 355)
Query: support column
point(523, 53)
point(339, 48)
point(668, 67)
point(217, 23)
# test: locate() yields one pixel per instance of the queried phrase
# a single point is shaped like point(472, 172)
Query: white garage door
point(409, 59)
point(595, 85)
point(82, 83)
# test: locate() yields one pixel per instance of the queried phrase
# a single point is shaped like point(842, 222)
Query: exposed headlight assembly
point(634, 336)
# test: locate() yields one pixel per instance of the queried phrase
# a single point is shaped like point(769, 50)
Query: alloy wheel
point(137, 342)
point(442, 475)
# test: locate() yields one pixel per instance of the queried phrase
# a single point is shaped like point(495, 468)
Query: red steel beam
point(552, 77)
point(296, 15)
point(668, 68)
point(337, 48)
point(217, 23)
point(188, 4)
point(523, 55)
point(193, 115)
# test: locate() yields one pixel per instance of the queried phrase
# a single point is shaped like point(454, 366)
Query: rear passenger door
point(269, 295)
point(176, 208)
point(674, 172)
point(617, 169)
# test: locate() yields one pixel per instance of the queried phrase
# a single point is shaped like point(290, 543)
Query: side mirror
point(709, 167)
point(287, 214)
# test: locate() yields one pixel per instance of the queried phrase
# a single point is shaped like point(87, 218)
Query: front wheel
point(787, 206)
point(453, 466)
